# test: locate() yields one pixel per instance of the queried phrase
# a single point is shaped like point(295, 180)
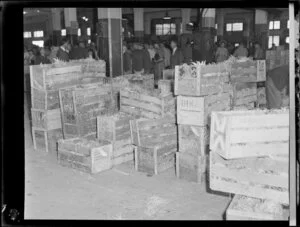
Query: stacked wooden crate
point(155, 143)
point(80, 106)
point(145, 81)
point(45, 81)
point(201, 89)
point(116, 129)
point(249, 157)
point(97, 67)
point(85, 155)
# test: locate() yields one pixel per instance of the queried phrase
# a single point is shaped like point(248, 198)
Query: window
point(89, 41)
point(27, 34)
point(273, 39)
point(234, 27)
point(38, 34)
point(228, 27)
point(287, 39)
point(63, 32)
point(274, 25)
point(39, 43)
point(88, 31)
point(288, 24)
point(165, 29)
point(79, 32)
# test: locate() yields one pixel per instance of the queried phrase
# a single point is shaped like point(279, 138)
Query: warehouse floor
point(56, 192)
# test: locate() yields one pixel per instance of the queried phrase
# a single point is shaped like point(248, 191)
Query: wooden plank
point(46, 141)
point(139, 96)
point(263, 178)
point(138, 104)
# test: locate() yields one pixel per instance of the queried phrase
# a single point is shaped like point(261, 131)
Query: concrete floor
point(56, 192)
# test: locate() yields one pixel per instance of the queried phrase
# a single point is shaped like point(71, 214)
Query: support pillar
point(261, 28)
point(56, 24)
point(71, 23)
point(220, 24)
point(109, 40)
point(186, 35)
point(208, 26)
point(138, 22)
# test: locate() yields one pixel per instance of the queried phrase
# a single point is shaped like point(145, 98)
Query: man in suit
point(177, 56)
point(63, 51)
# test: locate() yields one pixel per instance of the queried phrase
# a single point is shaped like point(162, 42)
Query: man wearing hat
point(222, 52)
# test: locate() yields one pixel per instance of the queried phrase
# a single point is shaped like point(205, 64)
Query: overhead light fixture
point(167, 17)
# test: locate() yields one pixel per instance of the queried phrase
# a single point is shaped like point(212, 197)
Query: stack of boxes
point(249, 158)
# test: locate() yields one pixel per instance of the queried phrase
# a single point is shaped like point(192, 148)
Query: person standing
point(222, 53)
point(158, 64)
point(41, 58)
point(251, 51)
point(258, 52)
point(79, 52)
point(177, 56)
point(167, 55)
point(241, 51)
point(127, 61)
point(188, 53)
point(147, 60)
point(63, 51)
point(207, 53)
point(137, 59)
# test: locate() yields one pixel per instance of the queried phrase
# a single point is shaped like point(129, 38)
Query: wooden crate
point(249, 208)
point(244, 94)
point(200, 80)
point(46, 119)
point(80, 106)
point(263, 177)
point(95, 66)
point(147, 105)
point(193, 139)
point(150, 132)
point(46, 140)
point(116, 129)
point(85, 155)
point(145, 81)
point(168, 74)
point(239, 134)
point(156, 159)
point(248, 71)
point(165, 86)
point(196, 110)
point(191, 167)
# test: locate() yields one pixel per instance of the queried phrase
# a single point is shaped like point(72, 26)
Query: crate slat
point(46, 119)
point(46, 140)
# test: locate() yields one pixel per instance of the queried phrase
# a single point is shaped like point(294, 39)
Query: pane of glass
point(166, 26)
point(39, 43)
point(41, 33)
point(277, 24)
point(173, 31)
point(276, 40)
point(287, 39)
point(88, 31)
point(271, 25)
point(270, 42)
point(159, 26)
point(63, 32)
point(237, 27)
point(228, 27)
point(158, 31)
point(173, 26)
point(79, 32)
point(288, 24)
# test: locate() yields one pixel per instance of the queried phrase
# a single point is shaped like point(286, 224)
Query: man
point(167, 55)
point(147, 60)
point(258, 52)
point(177, 56)
point(137, 59)
point(42, 58)
point(222, 53)
point(79, 52)
point(277, 87)
point(63, 51)
point(241, 51)
point(188, 52)
point(127, 62)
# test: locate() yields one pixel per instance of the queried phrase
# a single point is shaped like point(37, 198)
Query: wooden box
point(116, 129)
point(156, 159)
point(239, 134)
point(244, 94)
point(80, 106)
point(46, 119)
point(165, 86)
point(200, 80)
point(90, 65)
point(263, 177)
point(150, 132)
point(196, 110)
point(191, 167)
point(168, 74)
point(46, 140)
point(249, 208)
point(193, 139)
point(149, 105)
point(145, 81)
point(85, 155)
point(248, 71)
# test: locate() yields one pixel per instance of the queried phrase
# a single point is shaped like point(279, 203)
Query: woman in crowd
point(222, 53)
point(241, 51)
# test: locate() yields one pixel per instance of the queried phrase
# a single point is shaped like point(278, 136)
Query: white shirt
point(174, 50)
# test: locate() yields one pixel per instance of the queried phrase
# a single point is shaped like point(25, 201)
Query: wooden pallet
point(46, 140)
point(196, 110)
point(156, 159)
point(146, 105)
point(248, 208)
point(150, 132)
point(166, 86)
point(46, 119)
point(239, 134)
point(193, 139)
point(80, 106)
point(116, 129)
point(84, 155)
point(200, 80)
point(244, 94)
point(248, 71)
point(191, 167)
point(263, 178)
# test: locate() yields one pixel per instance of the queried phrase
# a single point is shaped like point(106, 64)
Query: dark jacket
point(138, 60)
point(147, 61)
point(127, 62)
point(188, 54)
point(176, 58)
point(41, 60)
point(79, 53)
point(62, 55)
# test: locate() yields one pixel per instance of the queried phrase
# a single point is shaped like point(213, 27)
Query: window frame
point(171, 30)
point(38, 34)
point(27, 32)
